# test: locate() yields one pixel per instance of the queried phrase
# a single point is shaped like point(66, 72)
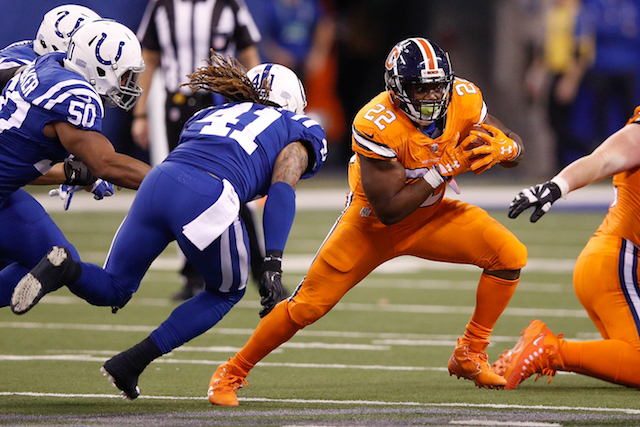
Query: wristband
point(272, 261)
point(433, 177)
point(77, 173)
point(519, 151)
point(562, 184)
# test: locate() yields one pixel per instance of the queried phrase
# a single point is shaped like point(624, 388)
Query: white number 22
point(387, 116)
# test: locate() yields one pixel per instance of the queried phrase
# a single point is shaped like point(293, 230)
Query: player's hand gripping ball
point(473, 141)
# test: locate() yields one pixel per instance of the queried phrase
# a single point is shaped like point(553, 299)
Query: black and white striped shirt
point(184, 31)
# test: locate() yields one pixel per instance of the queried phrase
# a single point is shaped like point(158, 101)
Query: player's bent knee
point(509, 252)
point(513, 255)
point(304, 314)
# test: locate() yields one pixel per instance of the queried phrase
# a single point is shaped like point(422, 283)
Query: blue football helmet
point(412, 63)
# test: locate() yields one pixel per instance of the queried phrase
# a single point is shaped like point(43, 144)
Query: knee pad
point(303, 313)
point(511, 254)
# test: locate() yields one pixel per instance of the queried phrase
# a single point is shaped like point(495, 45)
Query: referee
point(178, 35)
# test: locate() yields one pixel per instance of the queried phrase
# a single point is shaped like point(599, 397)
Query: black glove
point(541, 196)
point(271, 289)
point(77, 173)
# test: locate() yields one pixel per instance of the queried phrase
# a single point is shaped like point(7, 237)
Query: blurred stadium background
point(490, 43)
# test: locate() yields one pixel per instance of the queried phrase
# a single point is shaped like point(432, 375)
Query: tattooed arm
point(279, 211)
point(290, 164)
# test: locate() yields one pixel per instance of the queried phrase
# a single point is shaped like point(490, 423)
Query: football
point(478, 142)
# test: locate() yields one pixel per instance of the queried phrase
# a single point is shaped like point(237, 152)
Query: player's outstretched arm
point(618, 153)
point(98, 154)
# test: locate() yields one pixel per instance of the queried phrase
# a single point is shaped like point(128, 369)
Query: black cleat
point(122, 375)
point(55, 270)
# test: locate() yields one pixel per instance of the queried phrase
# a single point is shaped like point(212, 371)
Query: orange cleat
point(224, 385)
point(474, 365)
point(536, 352)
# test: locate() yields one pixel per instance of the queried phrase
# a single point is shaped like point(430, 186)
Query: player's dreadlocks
point(229, 79)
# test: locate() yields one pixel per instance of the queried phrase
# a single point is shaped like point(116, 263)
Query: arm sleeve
point(279, 212)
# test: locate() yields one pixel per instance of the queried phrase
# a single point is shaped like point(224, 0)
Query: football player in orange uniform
point(605, 277)
point(409, 141)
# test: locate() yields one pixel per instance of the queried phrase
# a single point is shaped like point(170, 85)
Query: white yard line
point(382, 306)
point(248, 331)
point(345, 402)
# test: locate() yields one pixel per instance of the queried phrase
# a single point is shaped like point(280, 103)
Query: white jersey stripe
point(484, 112)
point(629, 279)
point(243, 254)
point(380, 150)
point(64, 90)
point(226, 263)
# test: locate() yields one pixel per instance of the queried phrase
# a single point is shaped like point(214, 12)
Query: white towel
point(211, 223)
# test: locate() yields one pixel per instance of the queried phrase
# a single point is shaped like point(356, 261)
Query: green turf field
point(379, 358)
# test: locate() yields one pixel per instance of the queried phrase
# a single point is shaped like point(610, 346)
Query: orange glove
point(453, 160)
point(499, 148)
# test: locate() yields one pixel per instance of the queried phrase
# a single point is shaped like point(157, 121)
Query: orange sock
point(492, 297)
point(609, 360)
point(273, 330)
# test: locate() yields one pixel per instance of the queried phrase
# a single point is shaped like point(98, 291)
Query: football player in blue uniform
point(50, 110)
point(227, 156)
point(52, 36)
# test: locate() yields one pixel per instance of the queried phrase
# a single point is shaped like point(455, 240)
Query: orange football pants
point(455, 232)
point(605, 280)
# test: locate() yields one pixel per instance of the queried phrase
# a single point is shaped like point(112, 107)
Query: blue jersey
point(17, 54)
point(42, 93)
point(240, 142)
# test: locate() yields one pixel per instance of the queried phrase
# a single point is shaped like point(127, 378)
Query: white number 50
point(82, 114)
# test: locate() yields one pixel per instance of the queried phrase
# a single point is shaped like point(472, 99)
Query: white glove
point(65, 192)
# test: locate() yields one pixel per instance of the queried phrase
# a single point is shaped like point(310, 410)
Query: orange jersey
point(382, 131)
point(623, 219)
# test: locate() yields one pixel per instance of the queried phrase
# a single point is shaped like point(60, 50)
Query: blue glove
point(65, 192)
point(102, 189)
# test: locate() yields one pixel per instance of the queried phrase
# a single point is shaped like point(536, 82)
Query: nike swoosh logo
point(537, 340)
point(367, 135)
